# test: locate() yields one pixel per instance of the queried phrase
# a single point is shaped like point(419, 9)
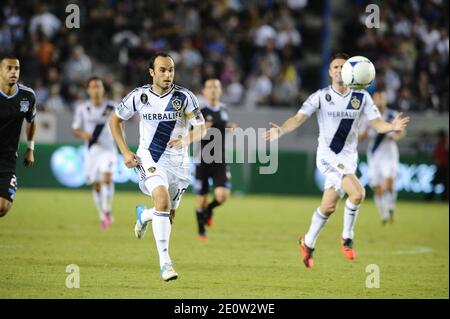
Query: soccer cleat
point(140, 227)
point(347, 248)
point(307, 253)
point(168, 273)
point(104, 224)
point(202, 237)
point(109, 218)
point(209, 217)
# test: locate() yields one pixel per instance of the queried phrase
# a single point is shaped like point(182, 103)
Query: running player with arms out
point(216, 116)
point(382, 159)
point(17, 102)
point(338, 110)
point(165, 111)
point(90, 123)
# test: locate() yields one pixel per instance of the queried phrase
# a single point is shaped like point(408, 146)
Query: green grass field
point(252, 251)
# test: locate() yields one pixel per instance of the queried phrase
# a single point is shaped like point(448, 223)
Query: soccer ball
point(358, 72)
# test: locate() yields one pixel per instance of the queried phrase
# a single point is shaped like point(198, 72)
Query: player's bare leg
point(200, 211)
point(221, 194)
point(380, 202)
point(391, 197)
point(161, 230)
point(356, 194)
point(5, 206)
point(107, 193)
point(328, 205)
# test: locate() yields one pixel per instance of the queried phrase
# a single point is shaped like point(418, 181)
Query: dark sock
point(211, 206)
point(201, 221)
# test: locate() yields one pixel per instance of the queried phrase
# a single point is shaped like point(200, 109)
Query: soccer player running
point(383, 158)
point(214, 167)
point(162, 161)
point(90, 123)
point(339, 110)
point(17, 102)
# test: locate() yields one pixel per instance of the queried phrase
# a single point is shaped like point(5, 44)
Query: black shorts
point(219, 174)
point(8, 186)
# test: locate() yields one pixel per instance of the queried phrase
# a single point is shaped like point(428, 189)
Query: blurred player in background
point(17, 102)
point(383, 159)
point(216, 116)
point(339, 111)
point(162, 161)
point(90, 123)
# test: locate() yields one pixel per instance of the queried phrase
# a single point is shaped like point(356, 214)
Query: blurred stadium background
point(270, 55)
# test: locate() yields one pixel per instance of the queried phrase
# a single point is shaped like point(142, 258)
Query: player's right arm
point(124, 111)
point(310, 106)
point(77, 125)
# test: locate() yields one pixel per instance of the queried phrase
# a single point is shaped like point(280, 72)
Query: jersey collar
point(343, 95)
point(161, 96)
point(10, 96)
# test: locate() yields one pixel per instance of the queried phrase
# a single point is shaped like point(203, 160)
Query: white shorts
point(97, 162)
point(152, 174)
point(381, 168)
point(334, 171)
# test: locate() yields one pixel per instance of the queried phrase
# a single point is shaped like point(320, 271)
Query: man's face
point(163, 72)
point(96, 89)
point(335, 71)
point(212, 89)
point(10, 71)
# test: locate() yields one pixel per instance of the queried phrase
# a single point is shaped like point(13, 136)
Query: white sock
point(318, 221)
point(98, 203)
point(107, 192)
point(161, 230)
point(391, 198)
point(147, 214)
point(380, 202)
point(350, 214)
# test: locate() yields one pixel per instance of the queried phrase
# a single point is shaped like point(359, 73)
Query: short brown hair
point(344, 56)
point(158, 54)
point(93, 78)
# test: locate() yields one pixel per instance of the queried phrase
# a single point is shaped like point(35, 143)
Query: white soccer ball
point(358, 72)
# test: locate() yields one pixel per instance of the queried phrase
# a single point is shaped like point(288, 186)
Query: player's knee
point(96, 187)
point(221, 197)
point(358, 196)
point(4, 209)
point(162, 204)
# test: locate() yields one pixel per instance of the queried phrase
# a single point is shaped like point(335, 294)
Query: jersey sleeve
point(370, 110)
point(311, 105)
point(192, 111)
point(31, 113)
point(126, 109)
point(77, 122)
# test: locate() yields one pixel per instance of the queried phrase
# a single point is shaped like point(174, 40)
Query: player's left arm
point(397, 125)
point(195, 118)
point(372, 113)
point(30, 129)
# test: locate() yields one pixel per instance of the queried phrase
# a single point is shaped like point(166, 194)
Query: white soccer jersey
point(94, 120)
point(338, 117)
point(162, 118)
point(382, 144)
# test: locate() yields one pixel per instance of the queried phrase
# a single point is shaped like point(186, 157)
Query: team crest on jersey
point(177, 103)
point(144, 98)
point(341, 166)
point(152, 169)
point(355, 103)
point(24, 105)
point(328, 97)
